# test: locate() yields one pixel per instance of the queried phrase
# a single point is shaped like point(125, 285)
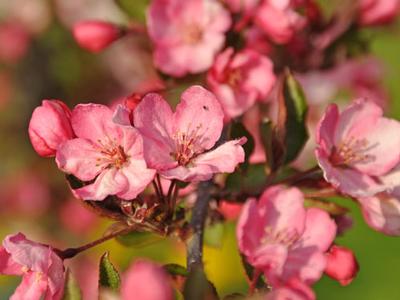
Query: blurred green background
point(54, 67)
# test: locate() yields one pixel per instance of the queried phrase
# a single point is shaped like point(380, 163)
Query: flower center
point(186, 146)
point(113, 155)
point(192, 34)
point(349, 152)
point(234, 77)
point(284, 237)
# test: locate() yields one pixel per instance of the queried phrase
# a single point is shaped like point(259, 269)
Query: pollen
point(285, 237)
point(351, 151)
point(111, 154)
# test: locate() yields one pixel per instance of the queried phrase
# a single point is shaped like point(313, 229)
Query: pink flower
point(146, 281)
point(41, 268)
point(382, 212)
point(341, 264)
point(14, 42)
point(238, 80)
point(230, 210)
point(279, 20)
point(357, 147)
point(293, 290)
point(94, 36)
point(49, 126)
point(177, 144)
point(378, 12)
point(108, 153)
point(187, 34)
point(282, 238)
point(83, 221)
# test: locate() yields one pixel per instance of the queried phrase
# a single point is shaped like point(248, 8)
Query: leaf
point(250, 182)
point(274, 149)
point(197, 287)
point(175, 269)
point(71, 288)
point(108, 274)
point(330, 207)
point(250, 271)
point(291, 127)
point(237, 131)
point(138, 239)
point(213, 235)
point(134, 8)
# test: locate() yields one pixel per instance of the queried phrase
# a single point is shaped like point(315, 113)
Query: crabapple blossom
point(230, 210)
point(178, 144)
point(94, 36)
point(146, 281)
point(357, 147)
point(41, 268)
point(283, 239)
point(279, 20)
point(50, 125)
point(108, 153)
point(293, 290)
point(14, 42)
point(186, 34)
point(341, 264)
point(378, 12)
point(238, 80)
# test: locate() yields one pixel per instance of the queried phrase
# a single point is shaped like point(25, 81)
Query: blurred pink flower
point(41, 268)
point(237, 6)
point(177, 144)
point(239, 79)
point(49, 126)
point(186, 34)
point(95, 35)
point(341, 264)
point(230, 210)
point(14, 42)
point(145, 280)
point(279, 20)
point(378, 12)
point(83, 221)
point(256, 40)
point(105, 151)
point(282, 238)
point(357, 147)
point(293, 290)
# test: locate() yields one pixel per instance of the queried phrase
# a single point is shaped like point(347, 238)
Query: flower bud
point(94, 36)
point(50, 126)
point(378, 12)
point(341, 265)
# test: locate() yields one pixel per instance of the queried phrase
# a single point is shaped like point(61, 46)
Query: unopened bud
point(341, 265)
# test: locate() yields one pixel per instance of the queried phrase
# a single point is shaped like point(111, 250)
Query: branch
point(199, 213)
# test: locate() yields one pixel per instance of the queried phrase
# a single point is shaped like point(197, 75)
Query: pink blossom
point(357, 147)
point(230, 210)
point(146, 281)
point(83, 221)
point(378, 12)
point(177, 144)
point(293, 290)
point(14, 42)
point(186, 34)
point(41, 269)
point(279, 20)
point(238, 80)
point(49, 126)
point(382, 212)
point(282, 238)
point(107, 152)
point(94, 36)
point(341, 264)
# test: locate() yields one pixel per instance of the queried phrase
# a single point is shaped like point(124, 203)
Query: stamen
point(351, 151)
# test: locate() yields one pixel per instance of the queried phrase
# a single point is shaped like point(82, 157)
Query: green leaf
point(134, 8)
point(213, 235)
point(108, 274)
point(274, 149)
point(71, 288)
point(291, 127)
point(250, 271)
point(197, 287)
point(175, 269)
point(251, 182)
point(138, 239)
point(237, 131)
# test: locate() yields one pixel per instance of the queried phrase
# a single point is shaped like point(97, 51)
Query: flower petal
point(32, 287)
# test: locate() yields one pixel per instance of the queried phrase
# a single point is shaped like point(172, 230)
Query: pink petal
point(56, 275)
point(320, 230)
point(79, 157)
point(94, 122)
point(271, 259)
point(109, 182)
point(153, 118)
point(122, 116)
point(199, 112)
point(146, 281)
point(382, 213)
point(223, 159)
point(32, 287)
point(283, 210)
point(341, 265)
point(327, 126)
point(7, 265)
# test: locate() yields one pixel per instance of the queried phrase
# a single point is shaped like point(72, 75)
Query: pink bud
point(230, 210)
point(341, 265)
point(50, 126)
point(94, 36)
